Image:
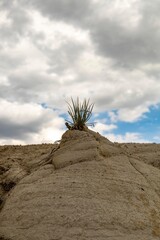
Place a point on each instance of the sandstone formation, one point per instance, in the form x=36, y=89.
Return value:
x=85, y=188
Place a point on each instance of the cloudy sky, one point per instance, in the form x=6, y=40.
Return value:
x=108, y=51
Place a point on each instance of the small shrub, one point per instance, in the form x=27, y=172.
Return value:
x=80, y=114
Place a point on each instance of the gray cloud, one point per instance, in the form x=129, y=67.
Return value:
x=73, y=11
x=19, y=22
x=8, y=61
x=61, y=59
x=128, y=47
x=11, y=130
x=129, y=50
x=29, y=88
x=27, y=121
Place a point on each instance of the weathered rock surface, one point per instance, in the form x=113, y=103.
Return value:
x=85, y=188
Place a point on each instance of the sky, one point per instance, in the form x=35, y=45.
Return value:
x=102, y=50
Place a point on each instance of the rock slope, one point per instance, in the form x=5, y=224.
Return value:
x=86, y=188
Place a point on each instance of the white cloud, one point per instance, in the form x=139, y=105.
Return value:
x=4, y=20
x=20, y=113
x=156, y=138
x=54, y=33
x=28, y=123
x=127, y=137
x=113, y=116
x=132, y=115
x=120, y=10
x=103, y=128
x=47, y=135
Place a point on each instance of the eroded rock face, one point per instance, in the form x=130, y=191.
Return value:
x=78, y=146
x=89, y=189
x=16, y=162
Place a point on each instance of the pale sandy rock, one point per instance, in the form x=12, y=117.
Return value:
x=92, y=190
x=16, y=162
x=78, y=146
x=148, y=153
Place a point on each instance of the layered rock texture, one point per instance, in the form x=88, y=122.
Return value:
x=84, y=188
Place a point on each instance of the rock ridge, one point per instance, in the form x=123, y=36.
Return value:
x=85, y=188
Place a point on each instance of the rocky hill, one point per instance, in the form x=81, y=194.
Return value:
x=85, y=188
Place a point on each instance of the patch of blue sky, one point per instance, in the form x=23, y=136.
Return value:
x=65, y=116
x=45, y=106
x=148, y=126
x=102, y=117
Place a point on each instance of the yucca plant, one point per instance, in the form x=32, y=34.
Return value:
x=80, y=114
